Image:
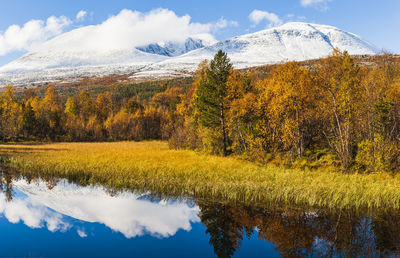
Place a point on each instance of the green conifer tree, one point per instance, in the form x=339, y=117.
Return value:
x=211, y=97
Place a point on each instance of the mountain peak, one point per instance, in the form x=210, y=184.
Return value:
x=174, y=48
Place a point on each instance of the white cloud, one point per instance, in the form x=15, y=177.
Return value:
x=127, y=29
x=80, y=16
x=32, y=214
x=81, y=233
x=223, y=23
x=132, y=28
x=257, y=16
x=320, y=4
x=31, y=34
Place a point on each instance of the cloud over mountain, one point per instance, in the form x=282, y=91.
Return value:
x=117, y=32
x=160, y=25
x=257, y=16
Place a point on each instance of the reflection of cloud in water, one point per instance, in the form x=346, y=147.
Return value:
x=81, y=233
x=127, y=213
x=32, y=214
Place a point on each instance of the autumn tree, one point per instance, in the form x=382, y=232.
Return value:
x=71, y=110
x=241, y=115
x=52, y=108
x=10, y=111
x=118, y=125
x=86, y=106
x=289, y=96
x=167, y=102
x=72, y=119
x=103, y=106
x=342, y=104
x=94, y=129
x=382, y=152
x=186, y=126
x=133, y=105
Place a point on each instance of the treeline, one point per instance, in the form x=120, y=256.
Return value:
x=335, y=112
x=82, y=117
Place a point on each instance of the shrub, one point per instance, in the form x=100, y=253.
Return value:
x=378, y=155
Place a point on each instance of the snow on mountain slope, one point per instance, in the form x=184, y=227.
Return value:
x=63, y=57
x=291, y=42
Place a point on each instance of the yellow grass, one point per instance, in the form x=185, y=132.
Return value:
x=152, y=166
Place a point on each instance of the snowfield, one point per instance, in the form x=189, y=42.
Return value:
x=63, y=58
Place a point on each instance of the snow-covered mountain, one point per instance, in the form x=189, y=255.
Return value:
x=175, y=48
x=290, y=42
x=63, y=58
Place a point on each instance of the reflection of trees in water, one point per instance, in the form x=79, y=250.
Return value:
x=386, y=227
x=6, y=178
x=8, y=175
x=226, y=232
x=296, y=233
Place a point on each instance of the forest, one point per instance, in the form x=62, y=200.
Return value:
x=334, y=112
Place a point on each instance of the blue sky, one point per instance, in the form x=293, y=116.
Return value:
x=376, y=21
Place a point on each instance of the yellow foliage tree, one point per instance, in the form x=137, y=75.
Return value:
x=287, y=104
x=339, y=78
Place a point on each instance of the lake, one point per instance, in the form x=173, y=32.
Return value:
x=56, y=218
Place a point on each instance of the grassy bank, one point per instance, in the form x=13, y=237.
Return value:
x=152, y=166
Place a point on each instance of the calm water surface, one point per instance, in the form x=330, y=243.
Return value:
x=60, y=219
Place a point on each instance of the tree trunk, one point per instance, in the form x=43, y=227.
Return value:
x=222, y=119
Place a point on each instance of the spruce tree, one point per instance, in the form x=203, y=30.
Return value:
x=211, y=96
